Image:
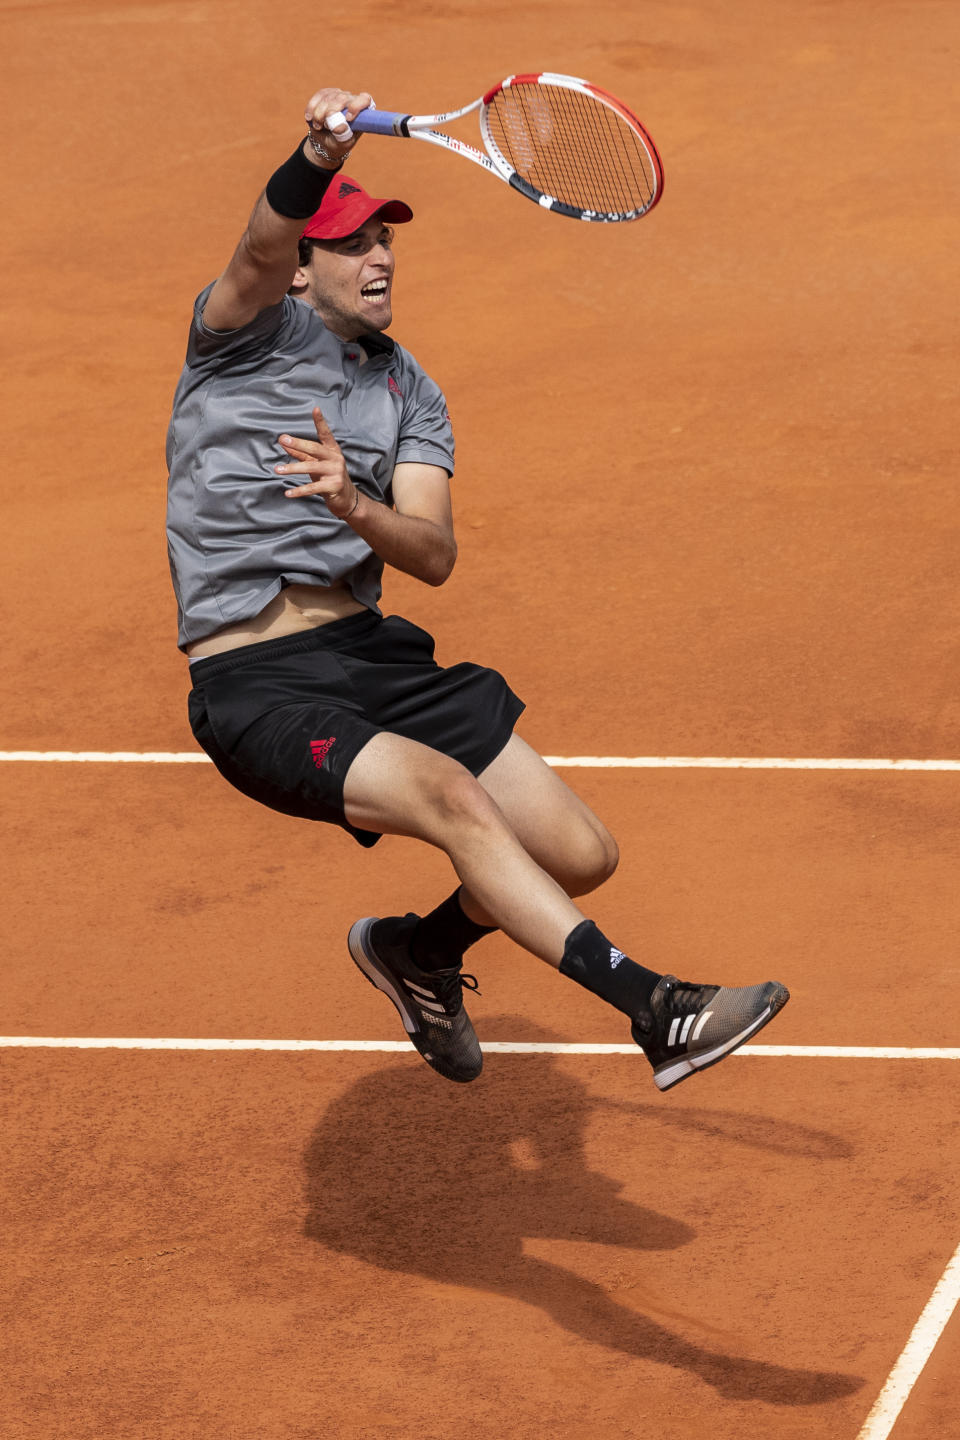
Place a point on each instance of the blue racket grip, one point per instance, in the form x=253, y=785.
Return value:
x=371, y=122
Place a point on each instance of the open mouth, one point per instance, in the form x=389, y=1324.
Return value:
x=375, y=290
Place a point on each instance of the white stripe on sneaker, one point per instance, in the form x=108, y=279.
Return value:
x=700, y=1024
x=672, y=1037
x=686, y=1028
x=419, y=990
x=431, y=1005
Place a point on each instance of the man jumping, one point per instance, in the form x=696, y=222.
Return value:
x=312, y=702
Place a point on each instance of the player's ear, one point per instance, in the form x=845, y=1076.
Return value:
x=299, y=281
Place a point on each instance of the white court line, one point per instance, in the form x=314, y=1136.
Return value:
x=596, y=762
x=917, y=1351
x=109, y=757
x=491, y=1047
x=691, y=762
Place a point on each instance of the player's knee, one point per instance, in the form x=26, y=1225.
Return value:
x=598, y=858
x=611, y=854
x=458, y=798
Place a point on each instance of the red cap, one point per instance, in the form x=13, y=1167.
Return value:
x=346, y=207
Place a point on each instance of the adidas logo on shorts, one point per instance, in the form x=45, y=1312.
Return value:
x=320, y=749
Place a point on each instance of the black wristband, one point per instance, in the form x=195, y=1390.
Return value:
x=296, y=189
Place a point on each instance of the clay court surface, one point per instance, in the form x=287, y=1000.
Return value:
x=705, y=502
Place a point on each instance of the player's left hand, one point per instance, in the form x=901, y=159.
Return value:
x=322, y=459
x=330, y=101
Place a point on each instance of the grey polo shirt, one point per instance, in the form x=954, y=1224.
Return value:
x=234, y=539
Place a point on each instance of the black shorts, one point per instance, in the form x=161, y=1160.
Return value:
x=284, y=719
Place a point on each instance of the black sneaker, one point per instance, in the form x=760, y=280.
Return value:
x=693, y=1026
x=430, y=1002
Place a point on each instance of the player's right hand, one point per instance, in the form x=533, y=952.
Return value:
x=321, y=461
x=326, y=103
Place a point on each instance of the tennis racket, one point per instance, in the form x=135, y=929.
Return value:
x=559, y=141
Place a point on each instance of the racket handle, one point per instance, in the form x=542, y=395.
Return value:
x=369, y=122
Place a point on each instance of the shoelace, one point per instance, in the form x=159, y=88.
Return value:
x=686, y=995
x=448, y=988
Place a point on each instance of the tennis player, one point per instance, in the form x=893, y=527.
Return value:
x=307, y=452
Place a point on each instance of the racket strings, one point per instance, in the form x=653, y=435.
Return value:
x=553, y=143
x=573, y=147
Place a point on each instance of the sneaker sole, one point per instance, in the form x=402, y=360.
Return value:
x=670, y=1074
x=382, y=981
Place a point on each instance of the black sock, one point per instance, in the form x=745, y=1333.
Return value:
x=441, y=938
x=598, y=966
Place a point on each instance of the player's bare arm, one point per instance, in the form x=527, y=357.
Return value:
x=265, y=260
x=416, y=537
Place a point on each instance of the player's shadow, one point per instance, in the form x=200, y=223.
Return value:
x=413, y=1174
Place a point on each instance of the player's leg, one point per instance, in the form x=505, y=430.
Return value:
x=555, y=828
x=400, y=787
x=551, y=822
x=674, y=1023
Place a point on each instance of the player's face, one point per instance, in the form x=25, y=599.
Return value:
x=349, y=282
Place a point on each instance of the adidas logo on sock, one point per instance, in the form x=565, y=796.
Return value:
x=615, y=957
